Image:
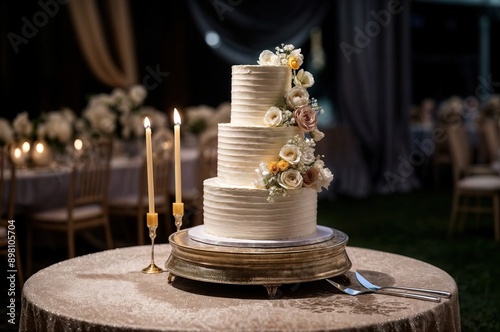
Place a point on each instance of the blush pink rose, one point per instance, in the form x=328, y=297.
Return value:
x=306, y=118
x=310, y=177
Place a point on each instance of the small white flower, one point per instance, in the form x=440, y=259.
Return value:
x=303, y=78
x=137, y=94
x=290, y=153
x=273, y=117
x=268, y=58
x=290, y=179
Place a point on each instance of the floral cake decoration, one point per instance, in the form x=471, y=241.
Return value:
x=296, y=166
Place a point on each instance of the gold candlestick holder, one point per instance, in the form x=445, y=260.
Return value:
x=152, y=219
x=178, y=212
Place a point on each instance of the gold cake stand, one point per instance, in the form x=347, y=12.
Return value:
x=269, y=266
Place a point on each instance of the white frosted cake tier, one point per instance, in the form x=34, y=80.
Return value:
x=254, y=89
x=245, y=213
x=241, y=149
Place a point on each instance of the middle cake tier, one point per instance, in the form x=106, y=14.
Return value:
x=241, y=149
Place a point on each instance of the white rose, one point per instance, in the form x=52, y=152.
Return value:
x=137, y=94
x=273, y=117
x=57, y=127
x=100, y=118
x=308, y=156
x=291, y=153
x=317, y=135
x=325, y=176
x=268, y=58
x=290, y=179
x=22, y=124
x=297, y=96
x=303, y=78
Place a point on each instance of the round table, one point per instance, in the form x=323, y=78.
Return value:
x=107, y=291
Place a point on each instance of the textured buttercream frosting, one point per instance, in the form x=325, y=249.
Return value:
x=254, y=89
x=245, y=213
x=232, y=206
x=242, y=148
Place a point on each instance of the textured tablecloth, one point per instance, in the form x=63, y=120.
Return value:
x=107, y=291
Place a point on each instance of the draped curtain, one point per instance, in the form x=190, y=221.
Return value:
x=374, y=88
x=92, y=37
x=248, y=27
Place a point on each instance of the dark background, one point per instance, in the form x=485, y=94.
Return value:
x=49, y=72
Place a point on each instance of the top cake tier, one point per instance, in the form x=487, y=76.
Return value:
x=254, y=89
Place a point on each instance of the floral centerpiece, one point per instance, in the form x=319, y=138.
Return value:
x=297, y=165
x=121, y=113
x=56, y=128
x=23, y=128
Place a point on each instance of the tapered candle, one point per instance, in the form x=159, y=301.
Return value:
x=177, y=156
x=149, y=166
x=178, y=206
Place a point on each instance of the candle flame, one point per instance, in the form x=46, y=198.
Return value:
x=39, y=147
x=26, y=147
x=78, y=144
x=147, y=124
x=177, y=117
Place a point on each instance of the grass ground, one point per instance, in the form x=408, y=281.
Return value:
x=415, y=225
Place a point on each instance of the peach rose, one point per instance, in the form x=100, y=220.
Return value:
x=273, y=167
x=293, y=62
x=283, y=165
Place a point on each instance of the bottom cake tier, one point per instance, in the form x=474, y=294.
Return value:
x=270, y=267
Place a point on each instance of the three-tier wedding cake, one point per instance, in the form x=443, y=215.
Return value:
x=268, y=175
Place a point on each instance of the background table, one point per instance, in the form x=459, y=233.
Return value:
x=34, y=185
x=106, y=291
